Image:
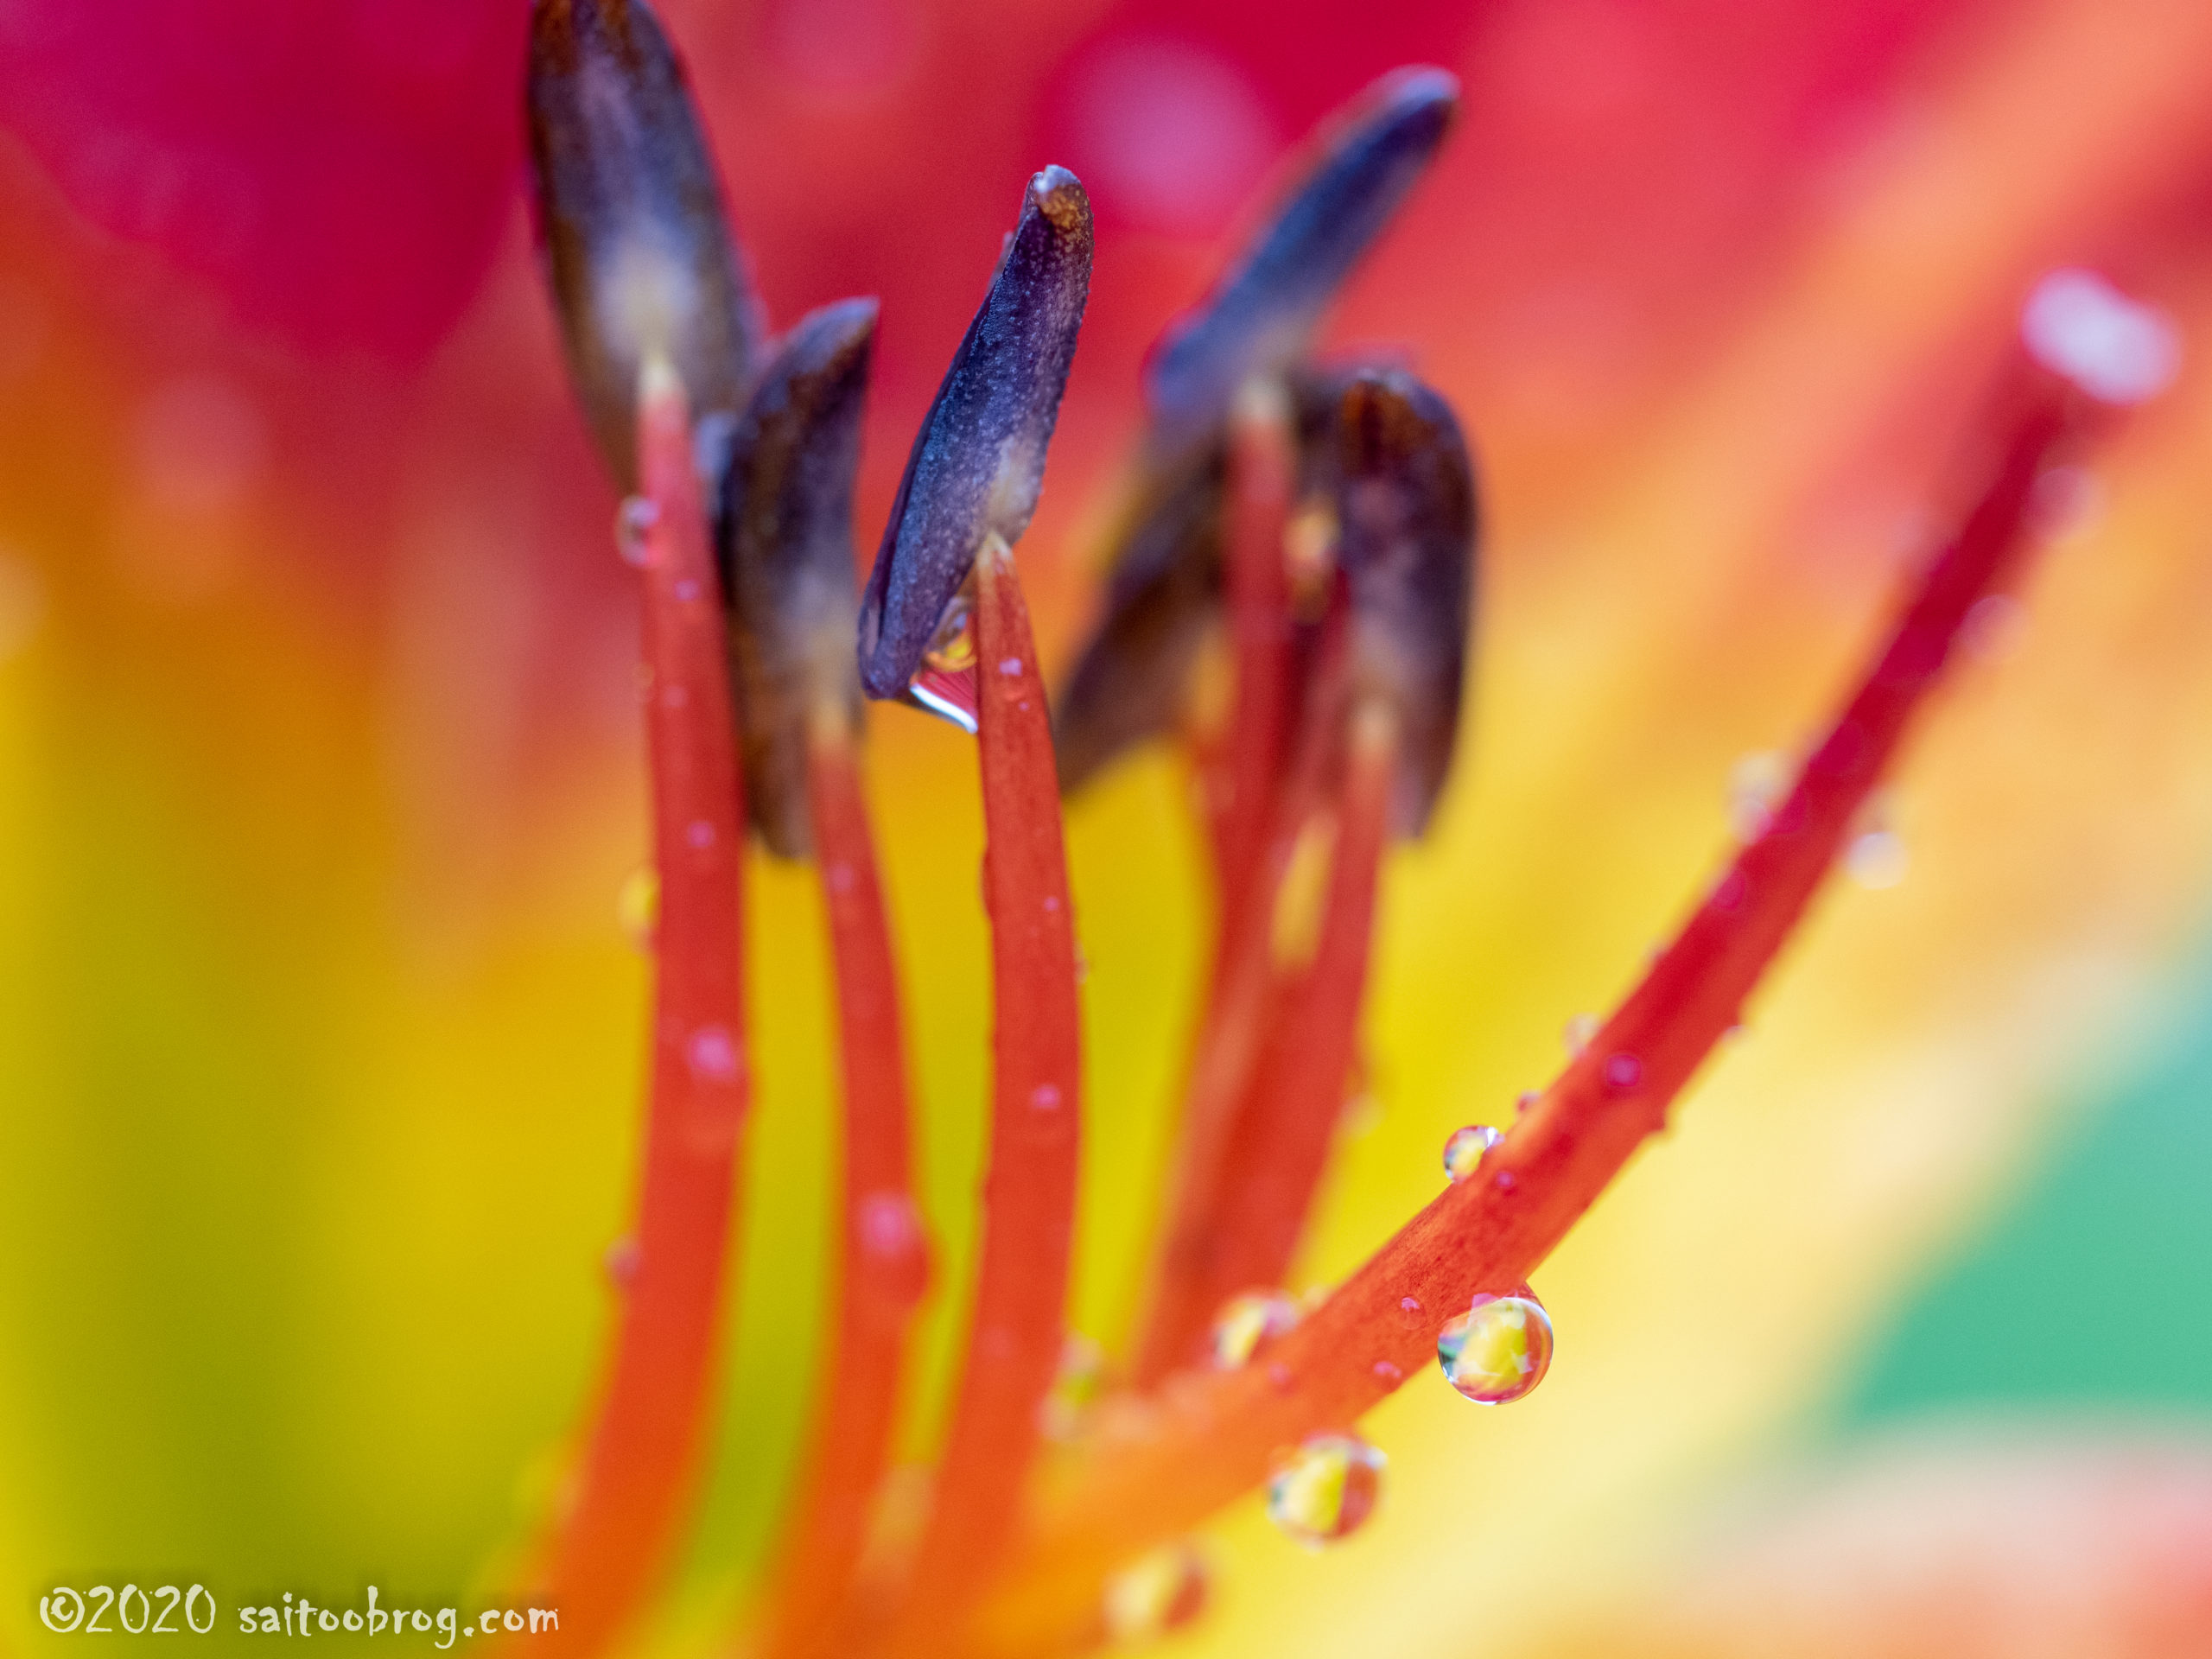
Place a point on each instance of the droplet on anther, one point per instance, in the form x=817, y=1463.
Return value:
x=1464, y=1149
x=1326, y=1489
x=1160, y=1593
x=1248, y=1323
x=1498, y=1349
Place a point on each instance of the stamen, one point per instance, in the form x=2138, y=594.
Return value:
x=644, y=1446
x=885, y=1265
x=1194, y=1447
x=1016, y=1327
x=1261, y=468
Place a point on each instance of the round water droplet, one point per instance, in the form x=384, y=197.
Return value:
x=639, y=906
x=1498, y=1349
x=700, y=833
x=952, y=648
x=1623, y=1071
x=1528, y=1097
x=891, y=1236
x=1160, y=1593
x=1876, y=858
x=1464, y=1150
x=1579, y=1029
x=1045, y=1098
x=1757, y=784
x=1247, y=1321
x=1326, y=1489
x=633, y=525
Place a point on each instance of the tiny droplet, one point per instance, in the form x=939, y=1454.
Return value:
x=1876, y=858
x=1247, y=1322
x=633, y=525
x=1464, y=1149
x=1498, y=1349
x=1326, y=1490
x=712, y=1052
x=1579, y=1029
x=1161, y=1591
x=1077, y=1385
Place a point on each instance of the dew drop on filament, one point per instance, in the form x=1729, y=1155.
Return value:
x=1464, y=1150
x=1498, y=1349
x=634, y=521
x=1247, y=1322
x=1326, y=1490
x=1158, y=1594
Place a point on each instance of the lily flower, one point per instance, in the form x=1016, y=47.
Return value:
x=1120, y=1253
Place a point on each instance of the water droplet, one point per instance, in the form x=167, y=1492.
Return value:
x=1410, y=1308
x=1623, y=1071
x=639, y=906
x=1386, y=1372
x=633, y=525
x=1045, y=1098
x=1326, y=1489
x=1994, y=628
x=1498, y=1349
x=686, y=589
x=1160, y=1593
x=621, y=1262
x=1528, y=1099
x=1247, y=1322
x=713, y=1054
x=1076, y=1387
x=1756, y=785
x=1464, y=1149
x=1507, y=1180
x=1010, y=666
x=1876, y=858
x=2115, y=349
x=953, y=649
x=1579, y=1029
x=700, y=833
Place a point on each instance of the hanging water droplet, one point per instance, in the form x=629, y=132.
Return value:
x=1757, y=784
x=1160, y=1593
x=1464, y=1150
x=1247, y=1321
x=639, y=906
x=1076, y=1387
x=1326, y=1489
x=952, y=650
x=1579, y=1029
x=1498, y=1349
x=634, y=521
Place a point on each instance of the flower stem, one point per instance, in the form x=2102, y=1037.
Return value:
x=644, y=1449
x=884, y=1256
x=1016, y=1332
x=1161, y=1465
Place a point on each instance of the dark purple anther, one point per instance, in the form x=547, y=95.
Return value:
x=979, y=459
x=1260, y=318
x=636, y=244
x=786, y=555
x=1405, y=499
